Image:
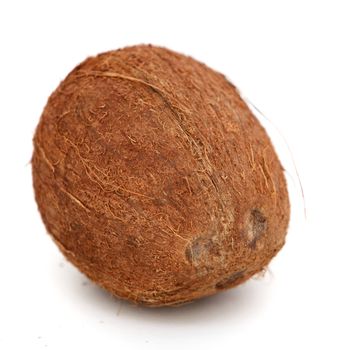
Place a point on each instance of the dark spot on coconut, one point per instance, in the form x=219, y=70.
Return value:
x=257, y=225
x=230, y=280
x=75, y=226
x=132, y=242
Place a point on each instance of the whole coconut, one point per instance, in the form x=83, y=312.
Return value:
x=155, y=179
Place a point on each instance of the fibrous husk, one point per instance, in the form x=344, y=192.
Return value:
x=155, y=179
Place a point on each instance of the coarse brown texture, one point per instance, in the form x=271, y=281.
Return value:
x=154, y=178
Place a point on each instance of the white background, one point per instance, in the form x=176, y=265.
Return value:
x=292, y=59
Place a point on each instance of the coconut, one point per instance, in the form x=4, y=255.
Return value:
x=155, y=179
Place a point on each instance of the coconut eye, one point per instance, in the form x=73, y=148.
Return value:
x=256, y=226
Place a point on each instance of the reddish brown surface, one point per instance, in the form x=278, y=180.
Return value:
x=155, y=179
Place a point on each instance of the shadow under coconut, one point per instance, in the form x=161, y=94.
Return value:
x=231, y=305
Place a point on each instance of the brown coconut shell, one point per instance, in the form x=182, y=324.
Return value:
x=155, y=179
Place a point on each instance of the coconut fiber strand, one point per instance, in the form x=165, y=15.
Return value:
x=155, y=179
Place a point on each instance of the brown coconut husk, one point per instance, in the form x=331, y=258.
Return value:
x=155, y=179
